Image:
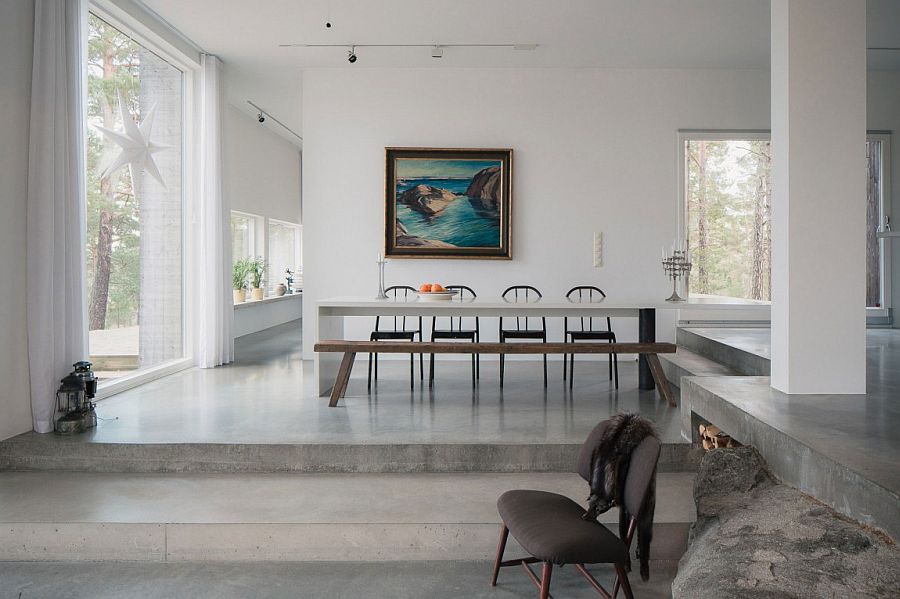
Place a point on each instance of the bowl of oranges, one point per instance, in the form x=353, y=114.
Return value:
x=434, y=292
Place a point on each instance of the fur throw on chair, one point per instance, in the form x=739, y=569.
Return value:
x=609, y=469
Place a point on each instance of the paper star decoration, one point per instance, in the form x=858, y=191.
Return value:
x=137, y=149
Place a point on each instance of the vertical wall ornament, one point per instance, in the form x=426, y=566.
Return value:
x=136, y=147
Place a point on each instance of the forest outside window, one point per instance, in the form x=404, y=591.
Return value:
x=134, y=241
x=727, y=199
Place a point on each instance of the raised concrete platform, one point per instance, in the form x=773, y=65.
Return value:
x=745, y=351
x=278, y=517
x=262, y=414
x=841, y=449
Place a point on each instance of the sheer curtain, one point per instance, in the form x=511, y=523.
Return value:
x=56, y=322
x=215, y=308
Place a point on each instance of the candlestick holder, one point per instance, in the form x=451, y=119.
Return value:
x=381, y=294
x=676, y=266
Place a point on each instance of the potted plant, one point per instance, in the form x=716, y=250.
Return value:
x=257, y=271
x=239, y=271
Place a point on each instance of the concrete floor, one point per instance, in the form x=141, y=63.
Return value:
x=268, y=396
x=399, y=580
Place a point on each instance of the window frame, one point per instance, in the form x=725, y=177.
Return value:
x=257, y=233
x=298, y=249
x=684, y=135
x=142, y=33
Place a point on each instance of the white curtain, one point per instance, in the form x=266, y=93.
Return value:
x=215, y=305
x=56, y=323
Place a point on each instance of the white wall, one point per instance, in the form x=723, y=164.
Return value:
x=883, y=106
x=262, y=170
x=16, y=28
x=594, y=150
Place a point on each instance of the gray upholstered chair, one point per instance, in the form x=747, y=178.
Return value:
x=550, y=526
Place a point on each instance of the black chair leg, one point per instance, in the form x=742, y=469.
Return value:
x=473, y=371
x=431, y=371
x=376, y=367
x=412, y=370
x=502, y=364
x=571, y=370
x=565, y=365
x=545, y=371
x=501, y=547
x=616, y=368
x=370, y=373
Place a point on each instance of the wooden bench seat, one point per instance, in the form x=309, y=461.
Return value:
x=351, y=348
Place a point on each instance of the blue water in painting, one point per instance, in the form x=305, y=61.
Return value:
x=459, y=223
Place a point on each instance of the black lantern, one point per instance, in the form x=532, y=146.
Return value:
x=73, y=401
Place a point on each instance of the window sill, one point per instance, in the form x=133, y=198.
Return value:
x=269, y=300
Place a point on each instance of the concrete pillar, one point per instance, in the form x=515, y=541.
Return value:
x=819, y=188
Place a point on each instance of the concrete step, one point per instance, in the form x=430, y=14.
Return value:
x=286, y=517
x=53, y=453
x=743, y=354
x=688, y=363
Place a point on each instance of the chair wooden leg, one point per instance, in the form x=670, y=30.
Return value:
x=546, y=571
x=622, y=576
x=501, y=547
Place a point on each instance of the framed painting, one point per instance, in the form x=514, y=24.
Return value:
x=448, y=203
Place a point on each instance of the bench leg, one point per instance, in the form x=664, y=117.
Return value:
x=659, y=377
x=343, y=378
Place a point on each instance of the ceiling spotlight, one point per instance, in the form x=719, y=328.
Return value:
x=351, y=55
x=327, y=24
x=437, y=52
x=261, y=118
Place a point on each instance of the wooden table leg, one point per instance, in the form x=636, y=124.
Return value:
x=343, y=378
x=659, y=377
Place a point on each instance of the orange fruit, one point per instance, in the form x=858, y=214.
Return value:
x=425, y=288
x=436, y=287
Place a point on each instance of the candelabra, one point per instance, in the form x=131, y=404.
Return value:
x=676, y=266
x=381, y=262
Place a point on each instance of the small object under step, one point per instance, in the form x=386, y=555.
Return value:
x=712, y=437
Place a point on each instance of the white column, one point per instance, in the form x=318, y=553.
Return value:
x=819, y=187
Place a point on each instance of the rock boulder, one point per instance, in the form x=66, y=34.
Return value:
x=484, y=190
x=426, y=199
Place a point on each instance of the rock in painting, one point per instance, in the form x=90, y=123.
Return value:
x=484, y=190
x=404, y=239
x=426, y=199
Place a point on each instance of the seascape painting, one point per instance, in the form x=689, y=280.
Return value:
x=447, y=203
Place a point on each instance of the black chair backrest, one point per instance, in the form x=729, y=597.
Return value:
x=641, y=467
x=521, y=294
x=464, y=294
x=587, y=294
x=397, y=292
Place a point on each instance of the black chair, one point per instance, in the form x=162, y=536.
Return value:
x=551, y=529
x=398, y=332
x=582, y=294
x=456, y=331
x=522, y=294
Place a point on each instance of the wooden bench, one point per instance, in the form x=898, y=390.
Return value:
x=351, y=348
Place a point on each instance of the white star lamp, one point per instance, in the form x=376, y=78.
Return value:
x=136, y=148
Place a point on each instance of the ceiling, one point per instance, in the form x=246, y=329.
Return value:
x=569, y=33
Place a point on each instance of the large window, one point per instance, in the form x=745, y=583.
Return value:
x=284, y=251
x=245, y=232
x=135, y=132
x=727, y=198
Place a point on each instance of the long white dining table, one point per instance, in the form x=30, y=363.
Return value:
x=330, y=315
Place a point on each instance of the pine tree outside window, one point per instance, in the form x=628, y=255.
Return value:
x=726, y=196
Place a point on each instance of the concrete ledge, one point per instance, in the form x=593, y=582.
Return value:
x=741, y=360
x=796, y=463
x=31, y=452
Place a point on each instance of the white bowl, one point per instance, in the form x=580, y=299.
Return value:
x=436, y=296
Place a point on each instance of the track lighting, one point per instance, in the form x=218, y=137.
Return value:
x=261, y=118
x=351, y=55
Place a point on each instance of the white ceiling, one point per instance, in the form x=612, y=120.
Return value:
x=569, y=33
